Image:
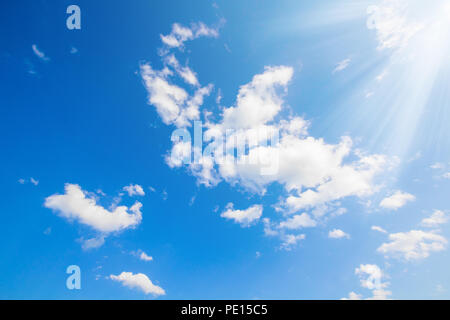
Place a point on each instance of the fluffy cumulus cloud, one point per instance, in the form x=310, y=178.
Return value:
x=173, y=104
x=435, y=220
x=338, y=234
x=396, y=200
x=245, y=217
x=252, y=143
x=134, y=190
x=412, y=245
x=138, y=281
x=371, y=278
x=76, y=204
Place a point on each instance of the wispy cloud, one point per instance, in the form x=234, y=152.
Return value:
x=40, y=54
x=342, y=65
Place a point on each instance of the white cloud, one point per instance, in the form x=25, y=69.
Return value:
x=257, y=102
x=134, y=190
x=31, y=180
x=142, y=255
x=392, y=23
x=76, y=204
x=397, y=200
x=41, y=55
x=93, y=243
x=290, y=240
x=173, y=103
x=186, y=73
x=437, y=165
x=338, y=234
x=145, y=257
x=371, y=278
x=413, y=245
x=244, y=217
x=312, y=172
x=342, y=65
x=379, y=229
x=437, y=218
x=353, y=296
x=181, y=34
x=298, y=222
x=138, y=281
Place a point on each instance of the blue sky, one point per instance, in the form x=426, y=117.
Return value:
x=357, y=207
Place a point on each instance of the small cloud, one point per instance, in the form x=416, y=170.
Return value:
x=382, y=75
x=93, y=243
x=31, y=180
x=258, y=254
x=40, y=54
x=138, y=281
x=73, y=50
x=244, y=217
x=338, y=234
x=142, y=255
x=371, y=278
x=290, y=240
x=145, y=257
x=191, y=202
x=134, y=190
x=369, y=94
x=342, y=65
x=397, y=200
x=437, y=165
x=437, y=218
x=413, y=245
x=298, y=222
x=379, y=229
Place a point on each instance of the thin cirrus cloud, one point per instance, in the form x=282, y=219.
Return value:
x=342, y=65
x=379, y=229
x=138, y=281
x=40, y=54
